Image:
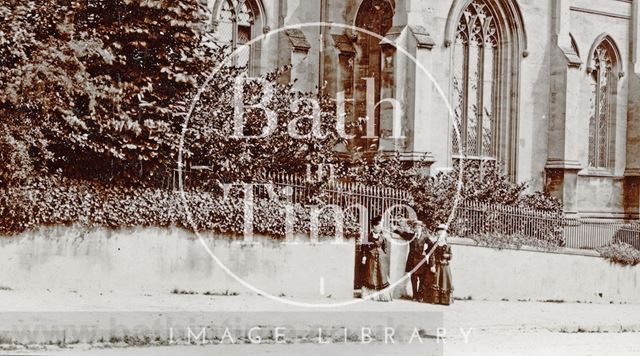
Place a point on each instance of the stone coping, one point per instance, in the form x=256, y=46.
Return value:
x=561, y=251
x=48, y=231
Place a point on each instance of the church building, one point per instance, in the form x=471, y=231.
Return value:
x=549, y=89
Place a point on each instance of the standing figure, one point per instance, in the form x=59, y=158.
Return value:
x=376, y=261
x=441, y=286
x=429, y=275
x=415, y=259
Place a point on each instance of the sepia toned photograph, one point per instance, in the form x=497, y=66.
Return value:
x=320, y=177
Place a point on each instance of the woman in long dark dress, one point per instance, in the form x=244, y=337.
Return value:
x=376, y=260
x=440, y=283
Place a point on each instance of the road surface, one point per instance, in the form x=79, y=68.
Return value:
x=489, y=344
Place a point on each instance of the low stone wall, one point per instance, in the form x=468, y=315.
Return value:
x=527, y=274
x=150, y=260
x=156, y=261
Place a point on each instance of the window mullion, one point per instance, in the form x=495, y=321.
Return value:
x=495, y=115
x=465, y=99
x=598, y=117
x=608, y=117
x=480, y=100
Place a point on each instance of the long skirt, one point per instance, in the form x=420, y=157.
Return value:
x=376, y=277
x=439, y=286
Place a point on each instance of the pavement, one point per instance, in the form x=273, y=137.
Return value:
x=481, y=315
x=524, y=344
x=92, y=323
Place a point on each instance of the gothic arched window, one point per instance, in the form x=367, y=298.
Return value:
x=475, y=82
x=236, y=26
x=603, y=84
x=375, y=16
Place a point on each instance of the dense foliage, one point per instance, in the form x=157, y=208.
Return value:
x=94, y=100
x=99, y=91
x=516, y=241
x=91, y=89
x=434, y=196
x=95, y=95
x=621, y=253
x=289, y=143
x=44, y=202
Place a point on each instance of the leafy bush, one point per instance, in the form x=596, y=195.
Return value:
x=98, y=91
x=621, y=253
x=628, y=234
x=517, y=241
x=51, y=202
x=434, y=197
x=211, y=139
x=91, y=89
x=94, y=99
x=17, y=164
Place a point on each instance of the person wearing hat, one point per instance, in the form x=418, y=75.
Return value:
x=376, y=263
x=439, y=275
x=413, y=231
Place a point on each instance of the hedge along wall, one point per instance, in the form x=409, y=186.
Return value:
x=158, y=260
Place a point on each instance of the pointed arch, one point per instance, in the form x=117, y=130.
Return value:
x=606, y=41
x=509, y=11
x=236, y=23
x=487, y=41
x=604, y=66
x=375, y=16
x=365, y=6
x=256, y=5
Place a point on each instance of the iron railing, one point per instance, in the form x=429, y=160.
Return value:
x=350, y=197
x=475, y=218
x=471, y=217
x=593, y=233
